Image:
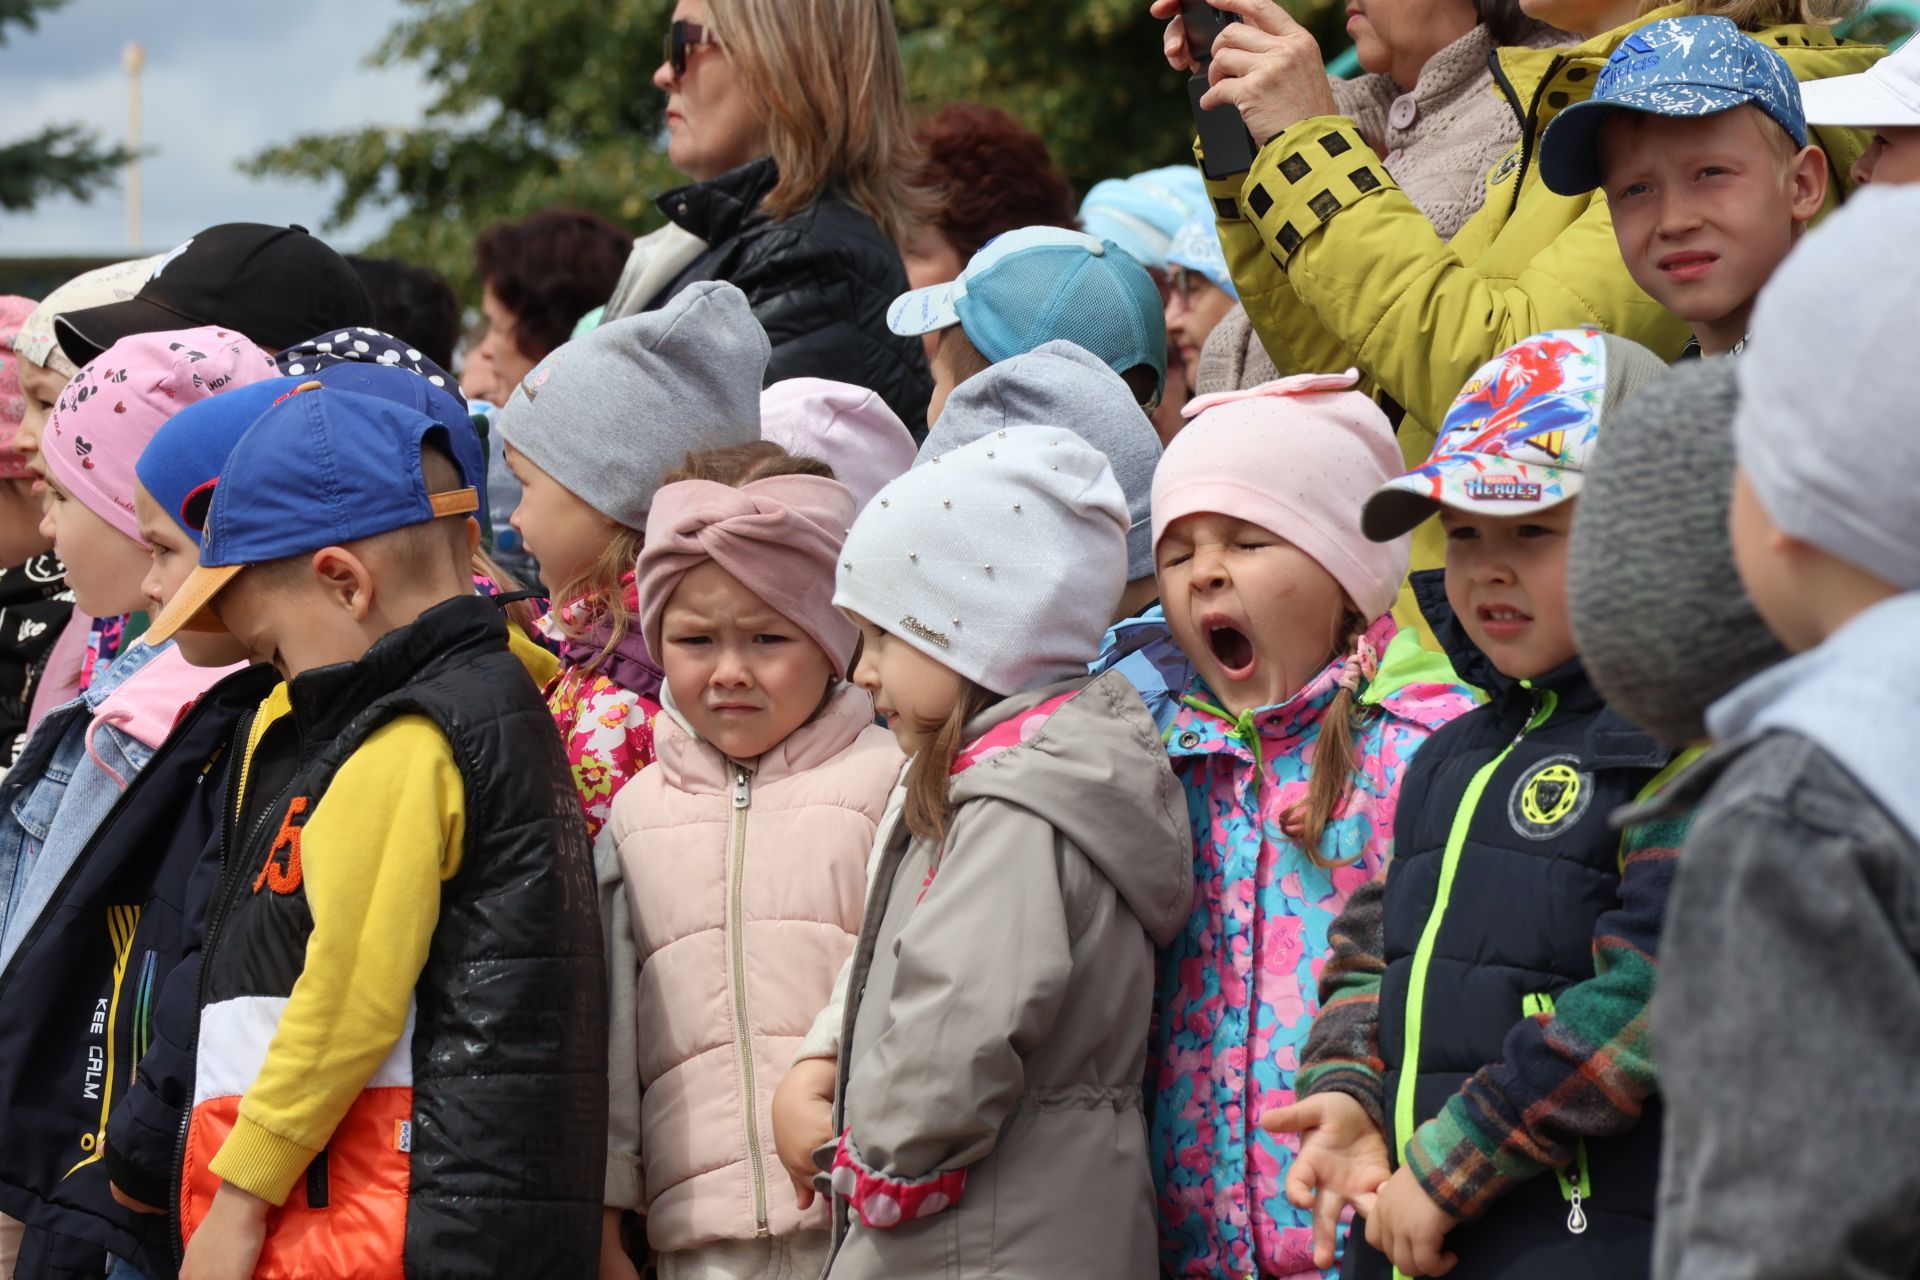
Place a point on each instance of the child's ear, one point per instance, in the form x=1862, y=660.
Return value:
x=345, y=579
x=1808, y=173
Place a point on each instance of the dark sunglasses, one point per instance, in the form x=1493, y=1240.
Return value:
x=682, y=39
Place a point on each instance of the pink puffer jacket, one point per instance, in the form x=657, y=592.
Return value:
x=747, y=885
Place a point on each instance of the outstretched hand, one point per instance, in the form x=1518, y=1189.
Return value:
x=1266, y=65
x=1342, y=1161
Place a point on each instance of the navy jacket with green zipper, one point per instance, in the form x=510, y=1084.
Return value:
x=1504, y=865
x=86, y=996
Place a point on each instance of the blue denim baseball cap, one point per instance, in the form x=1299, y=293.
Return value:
x=318, y=468
x=1673, y=67
x=1046, y=284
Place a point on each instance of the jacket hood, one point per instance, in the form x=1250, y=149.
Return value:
x=1823, y=694
x=693, y=764
x=1085, y=756
x=151, y=700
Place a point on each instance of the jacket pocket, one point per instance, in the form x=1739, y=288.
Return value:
x=1576, y=1183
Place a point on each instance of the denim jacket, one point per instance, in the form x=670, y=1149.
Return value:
x=75, y=764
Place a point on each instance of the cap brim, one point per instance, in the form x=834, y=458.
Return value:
x=83, y=335
x=926, y=310
x=188, y=611
x=1484, y=484
x=1855, y=102
x=1570, y=148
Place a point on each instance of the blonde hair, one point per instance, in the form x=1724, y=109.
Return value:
x=829, y=75
x=1758, y=15
x=927, y=806
x=601, y=588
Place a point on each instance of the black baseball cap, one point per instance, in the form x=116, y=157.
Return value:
x=276, y=286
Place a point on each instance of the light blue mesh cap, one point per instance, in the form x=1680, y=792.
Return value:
x=1046, y=284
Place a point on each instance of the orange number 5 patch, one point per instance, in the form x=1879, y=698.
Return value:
x=275, y=874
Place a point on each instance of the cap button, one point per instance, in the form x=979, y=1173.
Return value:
x=1098, y=248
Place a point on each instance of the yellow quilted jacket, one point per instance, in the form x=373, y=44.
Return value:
x=1337, y=268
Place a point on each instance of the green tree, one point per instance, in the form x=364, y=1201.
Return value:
x=543, y=102
x=61, y=158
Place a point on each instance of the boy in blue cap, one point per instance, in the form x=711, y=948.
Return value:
x=1034, y=286
x=404, y=937
x=1696, y=134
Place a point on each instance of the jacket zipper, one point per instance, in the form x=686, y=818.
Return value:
x=216, y=912
x=1579, y=1189
x=1545, y=702
x=743, y=1042
x=1527, y=121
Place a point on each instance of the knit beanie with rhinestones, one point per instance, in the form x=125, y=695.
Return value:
x=1004, y=561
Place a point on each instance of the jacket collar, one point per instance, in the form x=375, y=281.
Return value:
x=1203, y=727
x=327, y=699
x=692, y=764
x=720, y=208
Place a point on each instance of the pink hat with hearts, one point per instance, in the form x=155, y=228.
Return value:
x=107, y=414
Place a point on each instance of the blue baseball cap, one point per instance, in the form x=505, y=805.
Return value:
x=180, y=464
x=416, y=390
x=320, y=467
x=1046, y=284
x=1673, y=67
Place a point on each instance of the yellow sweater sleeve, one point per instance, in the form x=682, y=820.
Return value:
x=373, y=855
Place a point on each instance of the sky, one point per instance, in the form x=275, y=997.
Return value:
x=223, y=79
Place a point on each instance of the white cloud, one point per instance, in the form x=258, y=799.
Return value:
x=215, y=91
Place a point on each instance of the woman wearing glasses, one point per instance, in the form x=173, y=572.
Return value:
x=791, y=118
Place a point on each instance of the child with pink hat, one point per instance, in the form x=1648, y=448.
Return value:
x=746, y=837
x=80, y=757
x=1291, y=738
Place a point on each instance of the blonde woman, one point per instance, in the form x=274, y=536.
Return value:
x=791, y=118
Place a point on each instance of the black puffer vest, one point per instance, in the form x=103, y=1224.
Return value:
x=1503, y=863
x=501, y=1138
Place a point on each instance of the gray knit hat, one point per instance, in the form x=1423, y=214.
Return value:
x=1828, y=387
x=1003, y=561
x=1663, y=623
x=1058, y=384
x=612, y=412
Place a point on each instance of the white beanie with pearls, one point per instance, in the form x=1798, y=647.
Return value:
x=1003, y=561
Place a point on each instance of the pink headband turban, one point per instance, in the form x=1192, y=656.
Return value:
x=780, y=537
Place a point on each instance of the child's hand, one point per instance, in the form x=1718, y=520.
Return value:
x=126, y=1201
x=227, y=1245
x=1406, y=1225
x=614, y=1262
x=1342, y=1158
x=803, y=1119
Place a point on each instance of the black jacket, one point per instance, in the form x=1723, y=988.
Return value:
x=820, y=282
x=86, y=997
x=495, y=1123
x=1505, y=897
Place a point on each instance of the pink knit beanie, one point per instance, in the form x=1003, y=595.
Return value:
x=106, y=415
x=780, y=537
x=1299, y=457
x=849, y=428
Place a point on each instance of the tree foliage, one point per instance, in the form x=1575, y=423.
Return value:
x=61, y=159
x=543, y=102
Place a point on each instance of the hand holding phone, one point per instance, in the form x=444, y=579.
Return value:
x=1226, y=145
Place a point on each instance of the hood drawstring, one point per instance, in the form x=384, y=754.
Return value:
x=119, y=718
x=1242, y=728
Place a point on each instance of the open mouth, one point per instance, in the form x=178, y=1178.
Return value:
x=1501, y=621
x=1231, y=649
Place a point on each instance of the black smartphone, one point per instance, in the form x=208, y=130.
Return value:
x=1227, y=148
